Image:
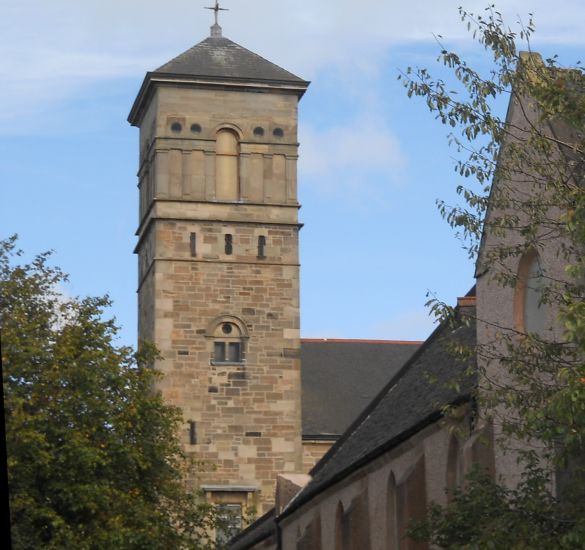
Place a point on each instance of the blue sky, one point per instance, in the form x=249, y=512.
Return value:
x=372, y=161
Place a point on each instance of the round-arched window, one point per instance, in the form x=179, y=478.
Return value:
x=229, y=336
x=227, y=347
x=530, y=311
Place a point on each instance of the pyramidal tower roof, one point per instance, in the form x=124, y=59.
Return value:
x=219, y=57
x=218, y=61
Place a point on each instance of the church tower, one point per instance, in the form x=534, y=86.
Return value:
x=218, y=284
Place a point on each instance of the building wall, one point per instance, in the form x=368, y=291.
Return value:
x=371, y=507
x=313, y=451
x=180, y=165
x=242, y=420
x=498, y=304
x=364, y=492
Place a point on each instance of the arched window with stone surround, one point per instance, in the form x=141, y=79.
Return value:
x=227, y=158
x=229, y=337
x=529, y=310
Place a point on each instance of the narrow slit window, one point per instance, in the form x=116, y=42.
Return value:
x=261, y=246
x=192, y=432
x=229, y=244
x=193, y=244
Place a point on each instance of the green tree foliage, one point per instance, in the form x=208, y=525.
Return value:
x=93, y=458
x=526, y=192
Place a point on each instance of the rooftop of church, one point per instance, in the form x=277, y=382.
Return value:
x=217, y=61
x=340, y=377
x=220, y=57
x=411, y=400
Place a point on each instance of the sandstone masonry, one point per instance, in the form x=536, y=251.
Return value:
x=218, y=281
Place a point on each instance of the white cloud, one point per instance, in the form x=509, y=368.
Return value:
x=47, y=48
x=342, y=157
x=63, y=75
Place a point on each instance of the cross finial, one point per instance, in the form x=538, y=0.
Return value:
x=215, y=28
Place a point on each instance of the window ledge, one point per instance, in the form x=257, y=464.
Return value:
x=228, y=363
x=230, y=488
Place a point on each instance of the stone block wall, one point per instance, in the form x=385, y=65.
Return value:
x=242, y=419
x=178, y=145
x=313, y=451
x=246, y=415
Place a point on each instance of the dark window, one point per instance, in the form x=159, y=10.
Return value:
x=227, y=352
x=229, y=522
x=261, y=246
x=228, y=344
x=229, y=247
x=196, y=128
x=219, y=352
x=278, y=132
x=259, y=131
x=176, y=127
x=192, y=432
x=193, y=244
x=233, y=352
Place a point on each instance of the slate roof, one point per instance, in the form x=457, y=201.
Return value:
x=339, y=378
x=409, y=402
x=219, y=57
x=217, y=61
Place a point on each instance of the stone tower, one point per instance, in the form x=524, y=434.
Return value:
x=218, y=283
